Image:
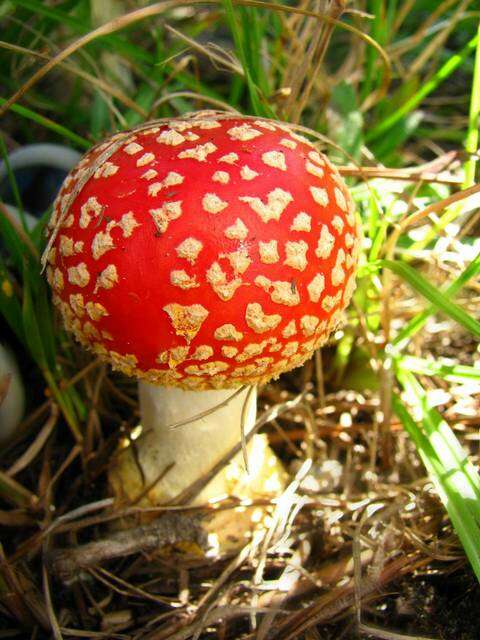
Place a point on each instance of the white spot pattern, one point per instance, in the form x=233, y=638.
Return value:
x=277, y=201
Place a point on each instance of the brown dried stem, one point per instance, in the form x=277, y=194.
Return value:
x=169, y=529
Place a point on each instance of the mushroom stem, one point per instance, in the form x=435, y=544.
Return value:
x=171, y=458
x=196, y=445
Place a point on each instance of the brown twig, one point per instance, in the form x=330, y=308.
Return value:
x=337, y=600
x=169, y=529
x=408, y=175
x=55, y=627
x=34, y=449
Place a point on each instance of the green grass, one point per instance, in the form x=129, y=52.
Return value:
x=441, y=75
x=454, y=478
x=395, y=129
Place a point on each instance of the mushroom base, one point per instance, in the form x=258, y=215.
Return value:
x=164, y=462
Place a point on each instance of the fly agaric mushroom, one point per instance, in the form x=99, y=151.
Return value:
x=201, y=255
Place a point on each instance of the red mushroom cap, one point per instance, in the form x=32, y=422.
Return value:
x=203, y=253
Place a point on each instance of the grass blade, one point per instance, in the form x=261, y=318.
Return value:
x=449, y=486
x=471, y=146
x=9, y=305
x=471, y=142
x=113, y=41
x=440, y=76
x=48, y=124
x=260, y=108
x=433, y=295
x=415, y=324
x=33, y=334
x=450, y=372
x=446, y=445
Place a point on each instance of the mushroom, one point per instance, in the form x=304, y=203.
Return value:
x=202, y=256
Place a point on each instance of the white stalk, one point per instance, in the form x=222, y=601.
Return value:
x=195, y=447
x=162, y=462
